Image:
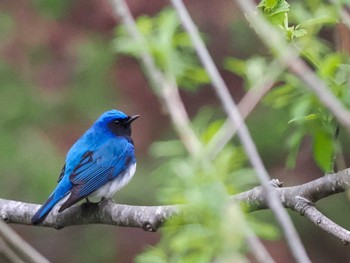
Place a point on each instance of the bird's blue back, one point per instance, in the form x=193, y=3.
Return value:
x=96, y=158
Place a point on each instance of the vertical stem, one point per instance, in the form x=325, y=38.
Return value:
x=165, y=88
x=233, y=114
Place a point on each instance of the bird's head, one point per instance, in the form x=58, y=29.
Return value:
x=117, y=122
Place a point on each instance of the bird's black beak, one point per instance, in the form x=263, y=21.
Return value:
x=132, y=118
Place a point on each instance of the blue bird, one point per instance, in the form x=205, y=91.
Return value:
x=101, y=162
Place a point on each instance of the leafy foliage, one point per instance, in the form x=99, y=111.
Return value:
x=33, y=120
x=307, y=115
x=205, y=185
x=170, y=47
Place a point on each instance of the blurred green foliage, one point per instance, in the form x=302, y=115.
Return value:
x=204, y=184
x=32, y=120
x=207, y=185
x=55, y=9
x=307, y=116
x=38, y=124
x=24, y=147
x=29, y=117
x=170, y=47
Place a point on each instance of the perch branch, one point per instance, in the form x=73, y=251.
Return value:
x=300, y=198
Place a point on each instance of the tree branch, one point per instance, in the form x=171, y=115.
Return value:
x=300, y=198
x=106, y=212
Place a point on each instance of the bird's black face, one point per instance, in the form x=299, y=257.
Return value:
x=122, y=126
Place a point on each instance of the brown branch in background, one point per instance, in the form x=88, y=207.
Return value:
x=343, y=11
x=17, y=249
x=300, y=198
x=8, y=253
x=165, y=88
x=247, y=104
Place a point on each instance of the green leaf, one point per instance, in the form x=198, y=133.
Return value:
x=274, y=10
x=127, y=46
x=323, y=150
x=301, y=107
x=167, y=148
x=169, y=45
x=293, y=143
x=309, y=117
x=235, y=65
x=330, y=65
x=319, y=21
x=280, y=96
x=272, y=7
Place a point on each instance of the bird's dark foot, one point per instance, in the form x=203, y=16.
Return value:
x=276, y=183
x=105, y=200
x=89, y=206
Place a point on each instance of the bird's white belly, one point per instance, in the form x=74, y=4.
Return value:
x=110, y=188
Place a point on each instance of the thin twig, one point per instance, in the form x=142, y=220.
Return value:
x=19, y=246
x=231, y=109
x=326, y=224
x=165, y=88
x=245, y=107
x=8, y=253
x=259, y=251
x=342, y=12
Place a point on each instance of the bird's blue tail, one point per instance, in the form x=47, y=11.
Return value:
x=44, y=210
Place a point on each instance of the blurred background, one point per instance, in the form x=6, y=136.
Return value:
x=59, y=72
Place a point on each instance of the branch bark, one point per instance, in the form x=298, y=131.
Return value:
x=300, y=198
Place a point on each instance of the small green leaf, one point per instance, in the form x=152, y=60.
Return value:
x=293, y=143
x=280, y=96
x=319, y=21
x=299, y=32
x=167, y=148
x=323, y=150
x=330, y=65
x=235, y=65
x=309, y=117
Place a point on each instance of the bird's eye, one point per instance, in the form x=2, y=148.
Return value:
x=116, y=122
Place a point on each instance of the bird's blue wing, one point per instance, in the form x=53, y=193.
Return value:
x=93, y=172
